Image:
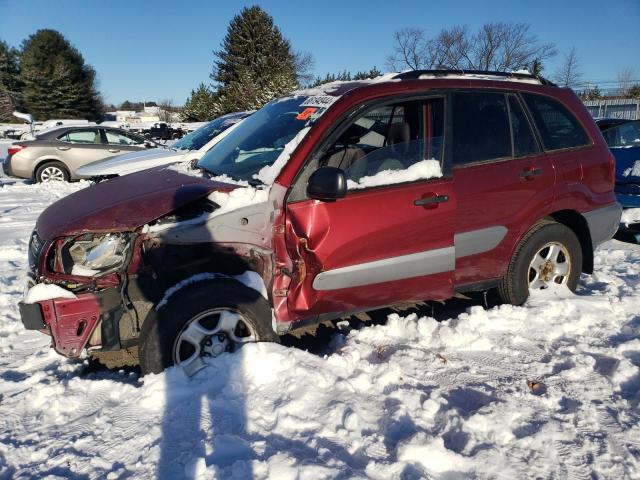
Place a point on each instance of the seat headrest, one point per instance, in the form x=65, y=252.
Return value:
x=398, y=133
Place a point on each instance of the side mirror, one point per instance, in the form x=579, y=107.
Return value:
x=327, y=184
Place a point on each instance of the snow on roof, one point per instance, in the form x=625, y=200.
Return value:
x=340, y=87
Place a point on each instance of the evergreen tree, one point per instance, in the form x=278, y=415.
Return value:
x=255, y=63
x=201, y=105
x=9, y=81
x=536, y=67
x=346, y=76
x=57, y=82
x=634, y=92
x=592, y=94
x=373, y=73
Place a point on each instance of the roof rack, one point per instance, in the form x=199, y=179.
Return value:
x=480, y=74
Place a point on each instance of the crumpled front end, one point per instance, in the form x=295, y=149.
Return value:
x=70, y=322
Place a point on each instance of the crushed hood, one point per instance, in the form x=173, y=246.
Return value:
x=124, y=203
x=130, y=162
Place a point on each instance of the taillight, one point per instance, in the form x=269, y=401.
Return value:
x=13, y=149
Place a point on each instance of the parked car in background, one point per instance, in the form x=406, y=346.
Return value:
x=623, y=139
x=412, y=187
x=608, y=122
x=56, y=154
x=188, y=149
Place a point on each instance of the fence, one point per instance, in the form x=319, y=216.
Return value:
x=628, y=108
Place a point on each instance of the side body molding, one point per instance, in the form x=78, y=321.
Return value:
x=387, y=269
x=412, y=265
x=478, y=241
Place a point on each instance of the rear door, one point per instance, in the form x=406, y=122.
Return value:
x=503, y=181
x=81, y=146
x=391, y=238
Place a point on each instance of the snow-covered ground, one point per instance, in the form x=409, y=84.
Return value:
x=549, y=390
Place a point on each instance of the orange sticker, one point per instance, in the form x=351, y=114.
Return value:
x=306, y=113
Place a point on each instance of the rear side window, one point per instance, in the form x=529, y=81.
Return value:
x=524, y=143
x=481, y=128
x=557, y=126
x=625, y=135
x=121, y=138
x=81, y=136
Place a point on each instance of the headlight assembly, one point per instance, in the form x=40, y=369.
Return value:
x=91, y=255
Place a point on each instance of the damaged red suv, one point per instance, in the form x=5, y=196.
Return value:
x=325, y=203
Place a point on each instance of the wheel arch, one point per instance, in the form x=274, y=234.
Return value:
x=41, y=161
x=578, y=224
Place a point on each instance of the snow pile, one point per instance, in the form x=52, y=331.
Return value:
x=548, y=390
x=268, y=174
x=43, y=291
x=630, y=215
x=238, y=198
x=421, y=170
x=633, y=171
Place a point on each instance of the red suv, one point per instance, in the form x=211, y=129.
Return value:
x=325, y=203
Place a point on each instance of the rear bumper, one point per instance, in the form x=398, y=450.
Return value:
x=603, y=223
x=70, y=322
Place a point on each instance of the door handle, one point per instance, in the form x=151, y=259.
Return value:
x=430, y=200
x=114, y=150
x=64, y=149
x=531, y=172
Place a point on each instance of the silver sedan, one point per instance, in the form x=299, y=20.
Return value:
x=56, y=154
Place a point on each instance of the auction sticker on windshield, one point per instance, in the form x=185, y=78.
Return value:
x=320, y=101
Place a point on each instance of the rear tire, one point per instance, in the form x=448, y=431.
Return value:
x=167, y=336
x=548, y=253
x=52, y=172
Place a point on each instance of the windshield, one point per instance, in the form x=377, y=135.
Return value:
x=200, y=137
x=260, y=139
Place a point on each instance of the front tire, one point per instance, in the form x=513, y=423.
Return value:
x=52, y=172
x=202, y=320
x=548, y=254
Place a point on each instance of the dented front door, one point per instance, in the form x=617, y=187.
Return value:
x=373, y=248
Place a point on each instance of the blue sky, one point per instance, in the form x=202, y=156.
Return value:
x=162, y=49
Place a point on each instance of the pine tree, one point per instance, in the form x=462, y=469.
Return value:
x=346, y=76
x=373, y=73
x=201, y=106
x=57, y=82
x=9, y=82
x=536, y=67
x=255, y=63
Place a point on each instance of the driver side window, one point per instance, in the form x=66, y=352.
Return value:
x=391, y=144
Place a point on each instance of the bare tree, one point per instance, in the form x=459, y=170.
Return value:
x=410, y=51
x=166, y=109
x=568, y=73
x=625, y=81
x=497, y=46
x=304, y=63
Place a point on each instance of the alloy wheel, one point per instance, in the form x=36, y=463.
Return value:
x=550, y=265
x=51, y=174
x=210, y=334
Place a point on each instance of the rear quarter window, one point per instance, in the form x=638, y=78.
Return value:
x=558, y=127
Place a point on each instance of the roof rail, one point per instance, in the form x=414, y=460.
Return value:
x=418, y=74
